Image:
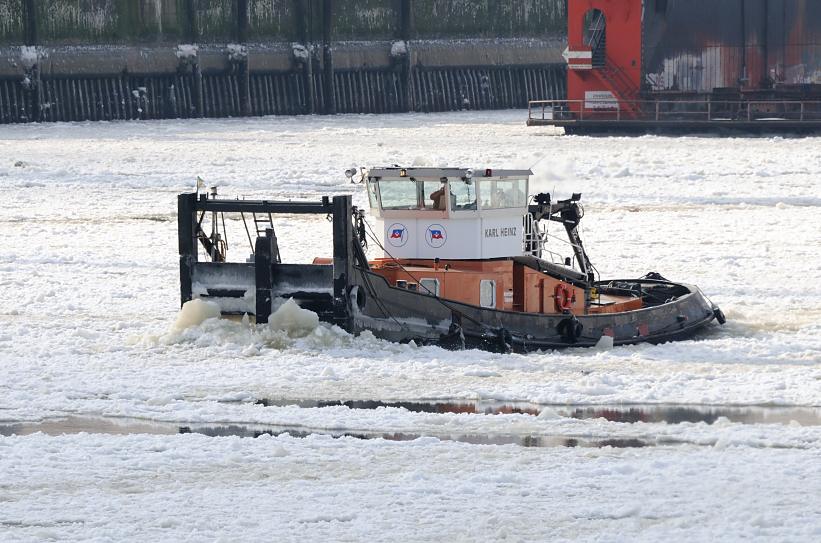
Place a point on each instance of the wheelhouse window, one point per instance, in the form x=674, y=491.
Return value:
x=373, y=198
x=434, y=194
x=462, y=194
x=503, y=193
x=400, y=193
x=410, y=193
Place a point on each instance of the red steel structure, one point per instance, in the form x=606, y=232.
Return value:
x=689, y=65
x=604, y=50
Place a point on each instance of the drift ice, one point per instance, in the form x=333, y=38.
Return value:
x=464, y=263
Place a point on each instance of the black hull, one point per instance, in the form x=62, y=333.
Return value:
x=399, y=315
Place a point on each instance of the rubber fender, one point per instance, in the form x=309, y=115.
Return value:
x=719, y=315
x=505, y=341
x=358, y=295
x=570, y=329
x=454, y=340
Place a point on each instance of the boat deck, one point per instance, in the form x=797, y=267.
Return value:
x=608, y=303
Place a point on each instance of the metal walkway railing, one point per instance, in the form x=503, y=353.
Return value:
x=660, y=111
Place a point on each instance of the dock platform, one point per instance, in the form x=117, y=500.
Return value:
x=677, y=116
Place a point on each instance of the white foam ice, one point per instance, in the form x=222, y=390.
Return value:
x=605, y=343
x=195, y=312
x=294, y=320
x=89, y=288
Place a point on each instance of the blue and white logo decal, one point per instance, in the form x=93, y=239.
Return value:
x=397, y=234
x=436, y=236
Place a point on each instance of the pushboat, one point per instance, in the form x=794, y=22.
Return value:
x=464, y=263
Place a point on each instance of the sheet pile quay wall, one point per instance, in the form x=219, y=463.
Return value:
x=70, y=60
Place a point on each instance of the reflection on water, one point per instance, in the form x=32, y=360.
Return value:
x=88, y=425
x=807, y=416
x=475, y=439
x=670, y=414
x=99, y=425
x=485, y=408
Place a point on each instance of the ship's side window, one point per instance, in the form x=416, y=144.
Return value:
x=429, y=286
x=504, y=193
x=372, y=197
x=432, y=188
x=487, y=293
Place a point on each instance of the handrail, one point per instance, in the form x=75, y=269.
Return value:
x=681, y=110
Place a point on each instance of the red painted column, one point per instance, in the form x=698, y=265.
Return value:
x=618, y=77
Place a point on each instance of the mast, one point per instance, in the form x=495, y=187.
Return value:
x=569, y=213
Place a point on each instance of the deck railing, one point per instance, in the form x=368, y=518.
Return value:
x=675, y=110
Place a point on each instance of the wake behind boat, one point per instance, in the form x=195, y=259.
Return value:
x=465, y=262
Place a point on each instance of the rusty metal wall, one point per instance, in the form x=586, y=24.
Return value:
x=701, y=45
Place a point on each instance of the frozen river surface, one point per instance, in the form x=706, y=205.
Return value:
x=140, y=424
